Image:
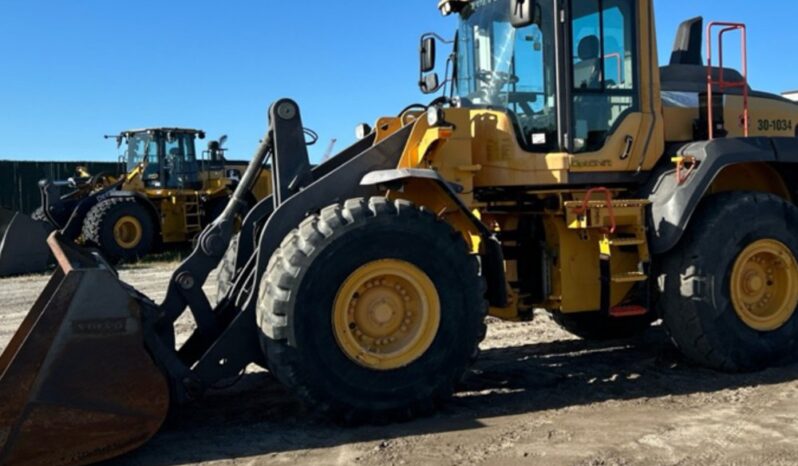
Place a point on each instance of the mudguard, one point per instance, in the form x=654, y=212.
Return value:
x=492, y=257
x=673, y=204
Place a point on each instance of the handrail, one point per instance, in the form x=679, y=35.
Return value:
x=721, y=82
x=585, y=203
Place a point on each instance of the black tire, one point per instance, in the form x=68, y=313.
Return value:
x=599, y=327
x=300, y=286
x=227, y=269
x=39, y=216
x=695, y=283
x=98, y=228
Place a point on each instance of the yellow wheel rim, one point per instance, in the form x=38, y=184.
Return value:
x=128, y=232
x=386, y=314
x=764, y=285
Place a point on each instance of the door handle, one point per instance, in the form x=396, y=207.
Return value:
x=627, y=150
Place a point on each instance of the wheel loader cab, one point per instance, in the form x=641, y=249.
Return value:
x=170, y=155
x=581, y=93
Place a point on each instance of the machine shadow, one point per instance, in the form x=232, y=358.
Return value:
x=258, y=417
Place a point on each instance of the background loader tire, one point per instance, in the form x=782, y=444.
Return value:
x=301, y=287
x=129, y=244
x=598, y=327
x=227, y=269
x=696, y=283
x=39, y=215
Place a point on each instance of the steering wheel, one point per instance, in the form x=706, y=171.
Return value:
x=494, y=77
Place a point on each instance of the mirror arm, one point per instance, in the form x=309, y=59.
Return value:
x=432, y=34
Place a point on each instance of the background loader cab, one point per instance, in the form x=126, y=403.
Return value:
x=169, y=156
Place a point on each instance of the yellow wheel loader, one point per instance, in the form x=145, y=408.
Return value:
x=166, y=196
x=564, y=169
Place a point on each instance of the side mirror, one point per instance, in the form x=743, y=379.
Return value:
x=427, y=54
x=222, y=140
x=429, y=83
x=524, y=13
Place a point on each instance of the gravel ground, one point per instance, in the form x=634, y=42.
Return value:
x=536, y=396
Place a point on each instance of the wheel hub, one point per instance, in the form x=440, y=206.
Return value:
x=386, y=314
x=128, y=232
x=764, y=285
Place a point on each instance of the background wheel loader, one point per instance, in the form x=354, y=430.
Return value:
x=594, y=184
x=166, y=195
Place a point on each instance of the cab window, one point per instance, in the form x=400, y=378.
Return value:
x=603, y=67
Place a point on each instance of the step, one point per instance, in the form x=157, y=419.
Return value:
x=629, y=277
x=628, y=311
x=620, y=242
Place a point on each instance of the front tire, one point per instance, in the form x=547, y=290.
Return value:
x=374, y=310
x=121, y=228
x=730, y=288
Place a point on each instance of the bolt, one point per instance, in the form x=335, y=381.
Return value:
x=185, y=280
x=407, y=321
x=404, y=328
x=407, y=299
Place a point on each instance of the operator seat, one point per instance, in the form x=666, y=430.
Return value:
x=587, y=73
x=592, y=109
x=182, y=172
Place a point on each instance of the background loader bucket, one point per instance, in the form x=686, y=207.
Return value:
x=23, y=244
x=77, y=385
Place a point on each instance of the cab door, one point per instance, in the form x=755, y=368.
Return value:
x=612, y=86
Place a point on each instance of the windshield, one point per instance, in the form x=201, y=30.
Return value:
x=500, y=66
x=139, y=146
x=137, y=149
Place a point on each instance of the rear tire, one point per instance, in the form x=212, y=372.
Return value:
x=121, y=228
x=308, y=275
x=599, y=327
x=227, y=269
x=699, y=311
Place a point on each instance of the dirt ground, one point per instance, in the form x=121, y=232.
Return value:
x=536, y=396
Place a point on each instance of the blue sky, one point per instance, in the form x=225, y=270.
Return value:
x=71, y=71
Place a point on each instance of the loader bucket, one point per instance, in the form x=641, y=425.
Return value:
x=23, y=244
x=77, y=385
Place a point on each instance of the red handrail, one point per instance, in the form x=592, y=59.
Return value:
x=721, y=82
x=582, y=210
